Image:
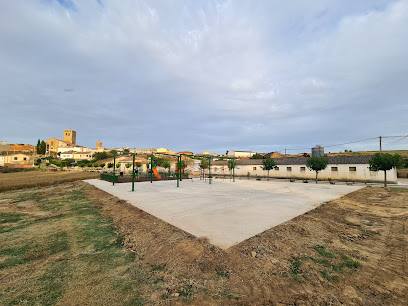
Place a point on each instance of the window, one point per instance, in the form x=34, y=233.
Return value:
x=15, y=158
x=289, y=168
x=254, y=168
x=352, y=169
x=25, y=158
x=334, y=169
x=302, y=169
x=277, y=168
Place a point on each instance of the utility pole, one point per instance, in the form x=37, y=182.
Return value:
x=285, y=152
x=380, y=146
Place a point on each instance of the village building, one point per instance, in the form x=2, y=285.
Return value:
x=240, y=153
x=68, y=141
x=16, y=160
x=342, y=168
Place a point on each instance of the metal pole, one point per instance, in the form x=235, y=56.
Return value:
x=380, y=146
x=114, y=165
x=151, y=168
x=177, y=172
x=233, y=173
x=133, y=174
x=209, y=170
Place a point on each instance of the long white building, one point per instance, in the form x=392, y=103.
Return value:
x=345, y=168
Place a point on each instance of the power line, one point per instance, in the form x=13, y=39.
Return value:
x=351, y=142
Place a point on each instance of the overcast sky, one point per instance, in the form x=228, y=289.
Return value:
x=205, y=75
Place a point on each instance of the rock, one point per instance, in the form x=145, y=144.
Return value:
x=176, y=294
x=253, y=254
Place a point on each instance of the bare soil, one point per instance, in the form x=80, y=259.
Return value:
x=18, y=180
x=60, y=245
x=352, y=250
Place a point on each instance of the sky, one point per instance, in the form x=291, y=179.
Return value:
x=205, y=75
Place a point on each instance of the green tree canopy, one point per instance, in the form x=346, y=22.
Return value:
x=232, y=163
x=166, y=164
x=384, y=162
x=317, y=163
x=110, y=165
x=268, y=164
x=257, y=156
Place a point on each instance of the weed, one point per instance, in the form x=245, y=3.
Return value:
x=328, y=276
x=322, y=251
x=221, y=272
x=159, y=267
x=187, y=291
x=305, y=181
x=350, y=263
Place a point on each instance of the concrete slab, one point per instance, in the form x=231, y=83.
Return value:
x=225, y=212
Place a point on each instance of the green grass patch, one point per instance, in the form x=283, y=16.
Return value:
x=323, y=252
x=10, y=218
x=70, y=247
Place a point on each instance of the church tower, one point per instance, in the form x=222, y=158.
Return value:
x=69, y=136
x=99, y=145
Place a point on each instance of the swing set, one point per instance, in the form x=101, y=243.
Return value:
x=153, y=170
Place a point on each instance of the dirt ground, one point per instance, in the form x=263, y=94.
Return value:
x=352, y=250
x=17, y=180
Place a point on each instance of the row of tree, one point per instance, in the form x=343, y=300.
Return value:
x=41, y=147
x=379, y=162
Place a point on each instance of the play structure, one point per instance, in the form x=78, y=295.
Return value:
x=179, y=174
x=156, y=174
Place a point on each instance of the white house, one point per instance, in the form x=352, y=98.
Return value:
x=240, y=153
x=344, y=168
x=75, y=149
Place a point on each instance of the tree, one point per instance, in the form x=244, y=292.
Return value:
x=166, y=164
x=102, y=165
x=100, y=155
x=95, y=165
x=110, y=165
x=317, y=163
x=257, y=156
x=268, y=164
x=384, y=162
x=128, y=165
x=43, y=147
x=126, y=150
x=204, y=165
x=232, y=163
x=38, y=146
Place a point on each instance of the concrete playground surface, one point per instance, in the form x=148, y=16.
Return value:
x=225, y=212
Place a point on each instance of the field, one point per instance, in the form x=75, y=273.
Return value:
x=74, y=244
x=17, y=180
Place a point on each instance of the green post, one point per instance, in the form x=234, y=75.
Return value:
x=177, y=172
x=233, y=174
x=209, y=170
x=114, y=165
x=133, y=174
x=151, y=168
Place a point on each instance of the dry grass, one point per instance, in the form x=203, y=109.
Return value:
x=18, y=180
x=55, y=248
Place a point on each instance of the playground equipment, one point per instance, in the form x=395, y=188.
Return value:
x=156, y=174
x=113, y=178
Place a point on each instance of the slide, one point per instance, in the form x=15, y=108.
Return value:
x=156, y=174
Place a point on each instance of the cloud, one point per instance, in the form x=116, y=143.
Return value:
x=202, y=75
